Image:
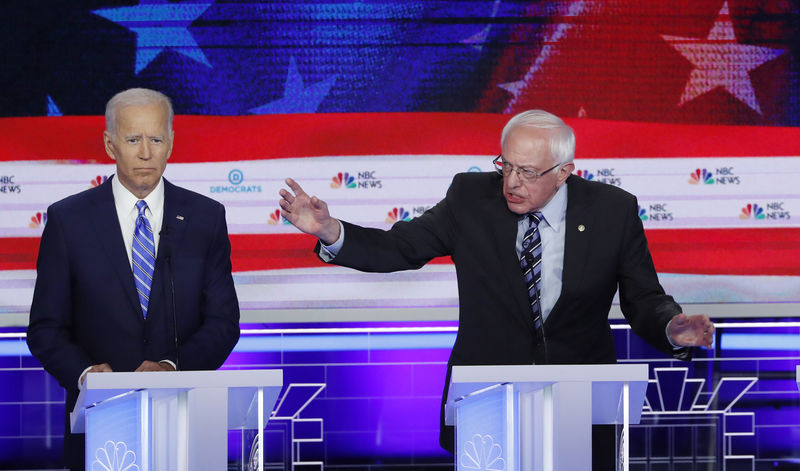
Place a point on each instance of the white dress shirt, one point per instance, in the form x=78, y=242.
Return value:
x=125, y=202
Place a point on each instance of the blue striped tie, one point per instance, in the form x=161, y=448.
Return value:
x=144, y=256
x=531, y=264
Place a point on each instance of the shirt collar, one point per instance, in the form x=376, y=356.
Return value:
x=556, y=209
x=125, y=201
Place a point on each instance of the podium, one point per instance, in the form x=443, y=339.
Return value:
x=171, y=420
x=539, y=417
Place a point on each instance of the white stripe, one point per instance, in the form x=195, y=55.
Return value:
x=152, y=268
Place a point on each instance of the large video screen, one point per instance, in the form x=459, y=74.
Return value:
x=693, y=106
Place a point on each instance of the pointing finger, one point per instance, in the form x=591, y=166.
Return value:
x=296, y=188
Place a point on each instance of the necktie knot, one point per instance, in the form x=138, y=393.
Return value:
x=141, y=206
x=535, y=218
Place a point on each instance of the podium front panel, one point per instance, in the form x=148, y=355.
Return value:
x=117, y=435
x=487, y=434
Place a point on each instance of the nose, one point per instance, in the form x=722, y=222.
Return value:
x=514, y=178
x=145, y=153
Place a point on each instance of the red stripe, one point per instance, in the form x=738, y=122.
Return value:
x=218, y=138
x=689, y=251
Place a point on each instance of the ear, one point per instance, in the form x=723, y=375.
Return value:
x=171, y=142
x=565, y=171
x=109, y=145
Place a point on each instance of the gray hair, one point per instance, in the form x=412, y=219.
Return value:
x=136, y=97
x=562, y=138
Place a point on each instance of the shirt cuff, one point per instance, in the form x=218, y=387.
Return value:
x=329, y=252
x=669, y=339
x=80, y=383
x=170, y=363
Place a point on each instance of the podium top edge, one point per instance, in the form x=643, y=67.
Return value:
x=184, y=379
x=548, y=373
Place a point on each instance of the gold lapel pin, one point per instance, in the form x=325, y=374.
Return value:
x=581, y=228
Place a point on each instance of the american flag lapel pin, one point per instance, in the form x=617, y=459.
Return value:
x=179, y=217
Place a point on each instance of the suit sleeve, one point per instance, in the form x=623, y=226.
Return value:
x=49, y=338
x=210, y=344
x=408, y=245
x=643, y=301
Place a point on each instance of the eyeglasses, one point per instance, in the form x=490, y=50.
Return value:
x=526, y=174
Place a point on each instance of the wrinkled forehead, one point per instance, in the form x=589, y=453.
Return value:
x=528, y=147
x=150, y=119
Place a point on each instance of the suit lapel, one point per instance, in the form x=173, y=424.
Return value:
x=103, y=216
x=577, y=234
x=505, y=225
x=172, y=226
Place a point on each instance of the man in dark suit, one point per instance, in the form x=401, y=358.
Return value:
x=134, y=275
x=592, y=242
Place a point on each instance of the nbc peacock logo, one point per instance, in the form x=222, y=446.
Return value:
x=97, y=181
x=275, y=218
x=643, y=214
x=585, y=174
x=38, y=220
x=343, y=179
x=752, y=211
x=701, y=176
x=397, y=214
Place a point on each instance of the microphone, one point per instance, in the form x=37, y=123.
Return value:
x=166, y=253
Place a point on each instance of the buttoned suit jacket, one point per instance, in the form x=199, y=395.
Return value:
x=85, y=308
x=605, y=249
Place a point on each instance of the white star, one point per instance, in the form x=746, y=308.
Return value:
x=720, y=61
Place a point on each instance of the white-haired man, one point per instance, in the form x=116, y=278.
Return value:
x=134, y=275
x=539, y=255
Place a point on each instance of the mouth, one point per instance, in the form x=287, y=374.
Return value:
x=514, y=199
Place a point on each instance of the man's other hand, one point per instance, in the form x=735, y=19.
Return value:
x=691, y=331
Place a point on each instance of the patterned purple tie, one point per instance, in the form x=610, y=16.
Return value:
x=143, y=254
x=531, y=264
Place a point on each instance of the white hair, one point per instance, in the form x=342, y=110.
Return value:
x=136, y=97
x=562, y=138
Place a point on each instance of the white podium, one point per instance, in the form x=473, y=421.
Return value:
x=539, y=417
x=171, y=420
x=797, y=375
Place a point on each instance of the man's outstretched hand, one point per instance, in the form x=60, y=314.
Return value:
x=308, y=213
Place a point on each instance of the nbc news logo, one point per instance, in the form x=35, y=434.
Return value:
x=7, y=184
x=397, y=214
x=774, y=210
x=363, y=180
x=725, y=176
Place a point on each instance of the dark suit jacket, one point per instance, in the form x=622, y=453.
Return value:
x=85, y=309
x=474, y=225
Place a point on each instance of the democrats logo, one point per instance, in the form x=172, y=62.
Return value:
x=474, y=169
x=8, y=186
x=366, y=180
x=275, y=218
x=235, y=180
x=397, y=214
x=643, y=214
x=752, y=211
x=38, y=220
x=585, y=174
x=97, y=181
x=343, y=180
